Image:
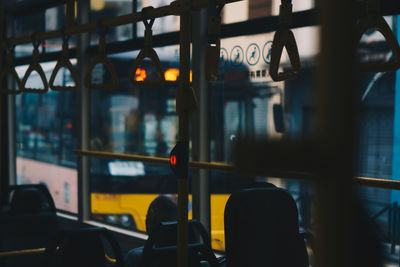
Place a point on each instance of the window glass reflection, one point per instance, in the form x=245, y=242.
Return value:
x=109, y=9
x=133, y=119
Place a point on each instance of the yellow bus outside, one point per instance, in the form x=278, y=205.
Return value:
x=137, y=205
x=64, y=191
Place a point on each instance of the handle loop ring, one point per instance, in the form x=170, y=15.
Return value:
x=148, y=25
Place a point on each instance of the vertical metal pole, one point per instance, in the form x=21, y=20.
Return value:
x=183, y=113
x=336, y=122
x=3, y=179
x=134, y=25
x=398, y=232
x=200, y=135
x=394, y=227
x=389, y=227
x=395, y=194
x=11, y=120
x=70, y=12
x=83, y=164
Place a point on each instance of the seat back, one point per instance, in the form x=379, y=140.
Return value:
x=82, y=248
x=262, y=229
x=30, y=222
x=29, y=198
x=161, y=247
x=20, y=231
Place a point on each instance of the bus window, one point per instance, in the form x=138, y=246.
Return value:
x=132, y=120
x=258, y=8
x=243, y=98
x=242, y=103
x=46, y=135
x=109, y=9
x=124, y=189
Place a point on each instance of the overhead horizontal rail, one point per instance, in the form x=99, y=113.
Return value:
x=159, y=40
x=225, y=167
x=301, y=19
x=255, y=26
x=175, y=8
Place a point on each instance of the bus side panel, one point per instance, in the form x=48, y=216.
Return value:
x=62, y=182
x=218, y=202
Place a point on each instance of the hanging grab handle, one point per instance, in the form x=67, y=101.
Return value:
x=147, y=52
x=101, y=58
x=10, y=70
x=284, y=38
x=64, y=62
x=373, y=20
x=214, y=41
x=35, y=66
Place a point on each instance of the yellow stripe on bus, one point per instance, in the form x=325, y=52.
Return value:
x=137, y=205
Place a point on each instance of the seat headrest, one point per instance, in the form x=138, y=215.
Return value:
x=270, y=220
x=271, y=207
x=26, y=200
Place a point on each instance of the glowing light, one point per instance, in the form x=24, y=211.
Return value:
x=172, y=75
x=173, y=160
x=140, y=75
x=97, y=5
x=68, y=126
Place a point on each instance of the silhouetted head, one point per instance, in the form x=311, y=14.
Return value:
x=163, y=208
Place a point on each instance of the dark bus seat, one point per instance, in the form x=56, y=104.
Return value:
x=161, y=247
x=262, y=229
x=26, y=201
x=30, y=222
x=22, y=231
x=82, y=248
x=29, y=198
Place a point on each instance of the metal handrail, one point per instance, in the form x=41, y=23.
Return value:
x=284, y=37
x=147, y=52
x=226, y=167
x=374, y=20
x=64, y=62
x=9, y=69
x=39, y=251
x=35, y=66
x=15, y=253
x=101, y=58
